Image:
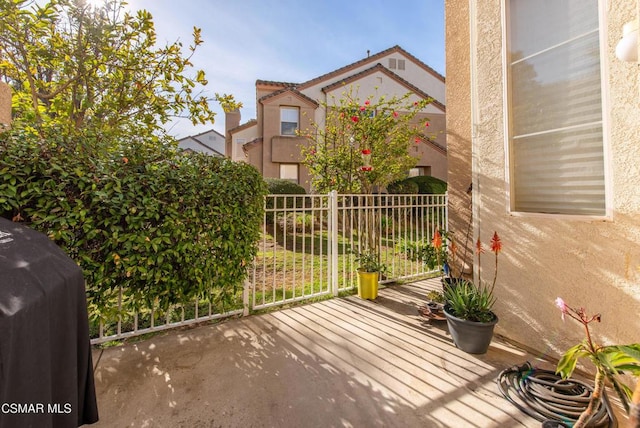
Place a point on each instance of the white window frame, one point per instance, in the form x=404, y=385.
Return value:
x=283, y=113
x=286, y=169
x=608, y=198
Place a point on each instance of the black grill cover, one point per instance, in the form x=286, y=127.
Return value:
x=46, y=370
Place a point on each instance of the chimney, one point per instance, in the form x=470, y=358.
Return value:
x=231, y=120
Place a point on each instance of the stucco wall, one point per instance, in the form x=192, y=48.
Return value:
x=458, y=119
x=5, y=104
x=593, y=264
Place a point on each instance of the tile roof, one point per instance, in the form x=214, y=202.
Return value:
x=291, y=89
x=380, y=68
x=370, y=59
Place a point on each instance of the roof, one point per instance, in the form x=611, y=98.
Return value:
x=245, y=125
x=370, y=59
x=202, y=143
x=380, y=68
x=292, y=90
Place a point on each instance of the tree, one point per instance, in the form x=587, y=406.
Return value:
x=76, y=70
x=364, y=144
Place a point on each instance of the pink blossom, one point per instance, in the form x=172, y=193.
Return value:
x=355, y=119
x=363, y=108
x=366, y=103
x=417, y=140
x=395, y=114
x=426, y=124
x=562, y=306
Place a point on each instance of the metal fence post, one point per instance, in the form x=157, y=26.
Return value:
x=333, y=244
x=245, y=297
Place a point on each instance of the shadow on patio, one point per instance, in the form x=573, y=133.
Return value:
x=343, y=362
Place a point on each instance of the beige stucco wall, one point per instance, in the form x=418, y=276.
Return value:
x=590, y=263
x=458, y=120
x=5, y=105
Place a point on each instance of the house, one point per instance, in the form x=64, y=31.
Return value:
x=543, y=119
x=271, y=144
x=210, y=142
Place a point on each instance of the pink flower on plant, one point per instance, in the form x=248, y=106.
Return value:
x=363, y=108
x=417, y=140
x=426, y=124
x=395, y=114
x=355, y=119
x=367, y=103
x=562, y=306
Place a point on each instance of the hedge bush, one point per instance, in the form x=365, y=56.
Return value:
x=425, y=185
x=166, y=227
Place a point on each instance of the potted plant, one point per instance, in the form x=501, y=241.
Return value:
x=369, y=270
x=609, y=361
x=469, y=308
x=441, y=254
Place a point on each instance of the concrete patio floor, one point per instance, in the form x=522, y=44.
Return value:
x=343, y=362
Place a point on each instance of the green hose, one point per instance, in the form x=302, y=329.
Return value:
x=544, y=395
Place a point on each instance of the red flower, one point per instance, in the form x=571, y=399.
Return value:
x=355, y=119
x=366, y=168
x=363, y=108
x=366, y=103
x=437, y=240
x=395, y=114
x=366, y=152
x=426, y=124
x=479, y=247
x=417, y=140
x=496, y=244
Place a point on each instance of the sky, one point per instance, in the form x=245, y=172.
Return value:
x=290, y=40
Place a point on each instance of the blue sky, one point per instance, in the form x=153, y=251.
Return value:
x=291, y=40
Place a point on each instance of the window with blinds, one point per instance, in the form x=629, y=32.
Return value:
x=289, y=120
x=556, y=158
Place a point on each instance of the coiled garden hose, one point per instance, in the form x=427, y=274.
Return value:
x=544, y=395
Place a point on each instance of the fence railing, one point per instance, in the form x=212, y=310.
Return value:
x=308, y=249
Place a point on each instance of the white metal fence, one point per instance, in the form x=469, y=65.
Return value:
x=308, y=249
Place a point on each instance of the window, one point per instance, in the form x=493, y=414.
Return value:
x=556, y=148
x=419, y=171
x=289, y=171
x=289, y=120
x=392, y=63
x=400, y=64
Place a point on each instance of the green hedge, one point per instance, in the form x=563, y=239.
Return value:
x=425, y=185
x=165, y=226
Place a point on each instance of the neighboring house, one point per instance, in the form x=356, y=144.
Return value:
x=543, y=118
x=270, y=143
x=210, y=142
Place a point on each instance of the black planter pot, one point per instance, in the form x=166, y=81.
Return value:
x=470, y=336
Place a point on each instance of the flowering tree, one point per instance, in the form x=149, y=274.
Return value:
x=364, y=144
